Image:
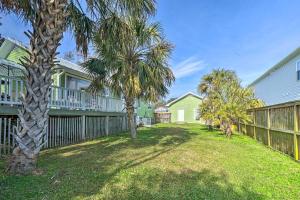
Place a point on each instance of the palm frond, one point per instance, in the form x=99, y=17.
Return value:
x=81, y=26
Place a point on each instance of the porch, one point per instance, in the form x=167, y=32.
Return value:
x=11, y=89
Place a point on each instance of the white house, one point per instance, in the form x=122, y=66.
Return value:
x=281, y=83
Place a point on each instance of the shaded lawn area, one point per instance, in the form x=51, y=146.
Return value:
x=165, y=162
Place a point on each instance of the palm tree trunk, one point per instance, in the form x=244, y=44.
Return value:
x=228, y=130
x=130, y=114
x=48, y=24
x=209, y=124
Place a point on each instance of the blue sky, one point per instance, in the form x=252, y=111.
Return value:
x=246, y=36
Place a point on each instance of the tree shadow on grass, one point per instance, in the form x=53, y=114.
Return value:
x=117, y=168
x=146, y=137
x=154, y=183
x=70, y=170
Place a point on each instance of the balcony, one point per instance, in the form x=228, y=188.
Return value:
x=60, y=98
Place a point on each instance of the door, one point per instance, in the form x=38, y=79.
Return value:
x=180, y=115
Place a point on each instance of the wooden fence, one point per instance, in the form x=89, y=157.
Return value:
x=64, y=130
x=162, y=117
x=276, y=126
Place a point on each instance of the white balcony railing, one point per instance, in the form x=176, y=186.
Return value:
x=60, y=98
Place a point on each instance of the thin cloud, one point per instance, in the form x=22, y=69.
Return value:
x=188, y=67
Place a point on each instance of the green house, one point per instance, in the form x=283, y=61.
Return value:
x=65, y=74
x=68, y=89
x=185, y=109
x=144, y=112
x=144, y=109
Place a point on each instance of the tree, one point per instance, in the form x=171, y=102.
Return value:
x=132, y=62
x=49, y=19
x=225, y=100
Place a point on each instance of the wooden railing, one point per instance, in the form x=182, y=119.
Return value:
x=60, y=98
x=276, y=126
x=10, y=90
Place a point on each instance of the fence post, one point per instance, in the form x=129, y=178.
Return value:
x=269, y=126
x=254, y=125
x=295, y=133
x=83, y=127
x=107, y=125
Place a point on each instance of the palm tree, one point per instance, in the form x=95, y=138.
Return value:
x=225, y=100
x=49, y=19
x=132, y=62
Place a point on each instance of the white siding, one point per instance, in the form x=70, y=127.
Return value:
x=280, y=86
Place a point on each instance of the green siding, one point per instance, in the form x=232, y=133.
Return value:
x=54, y=78
x=188, y=104
x=144, y=110
x=16, y=55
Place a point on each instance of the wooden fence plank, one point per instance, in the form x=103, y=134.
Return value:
x=295, y=134
x=254, y=127
x=4, y=136
x=8, y=136
x=1, y=136
x=269, y=126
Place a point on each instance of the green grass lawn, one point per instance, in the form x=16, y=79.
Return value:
x=165, y=162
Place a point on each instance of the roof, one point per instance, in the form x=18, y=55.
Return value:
x=65, y=63
x=8, y=68
x=277, y=66
x=182, y=97
x=70, y=65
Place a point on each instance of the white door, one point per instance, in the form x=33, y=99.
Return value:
x=180, y=115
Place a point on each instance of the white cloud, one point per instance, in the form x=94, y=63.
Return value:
x=188, y=67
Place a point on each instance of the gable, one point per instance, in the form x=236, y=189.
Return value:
x=279, y=65
x=13, y=51
x=280, y=86
x=182, y=97
x=189, y=100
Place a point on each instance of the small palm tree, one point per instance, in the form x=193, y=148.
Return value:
x=225, y=100
x=49, y=19
x=131, y=61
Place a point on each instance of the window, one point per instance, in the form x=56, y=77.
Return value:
x=298, y=70
x=77, y=84
x=82, y=84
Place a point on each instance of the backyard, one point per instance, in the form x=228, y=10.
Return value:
x=165, y=162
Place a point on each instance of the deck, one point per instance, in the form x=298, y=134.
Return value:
x=60, y=98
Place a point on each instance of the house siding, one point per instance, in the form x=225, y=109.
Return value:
x=145, y=110
x=13, y=52
x=16, y=55
x=280, y=86
x=188, y=104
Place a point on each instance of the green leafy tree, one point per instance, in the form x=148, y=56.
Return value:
x=225, y=100
x=131, y=61
x=49, y=19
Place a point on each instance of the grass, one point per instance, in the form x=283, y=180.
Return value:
x=165, y=162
